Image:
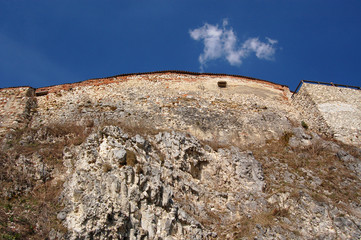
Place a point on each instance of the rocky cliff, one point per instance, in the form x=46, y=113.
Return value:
x=175, y=155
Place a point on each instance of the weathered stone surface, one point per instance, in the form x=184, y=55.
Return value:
x=123, y=201
x=16, y=106
x=352, y=163
x=333, y=110
x=179, y=184
x=173, y=156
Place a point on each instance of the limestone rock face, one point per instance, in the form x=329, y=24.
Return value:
x=121, y=187
x=172, y=186
x=171, y=155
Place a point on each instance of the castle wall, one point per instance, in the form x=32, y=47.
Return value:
x=332, y=110
x=309, y=111
x=246, y=110
x=15, y=107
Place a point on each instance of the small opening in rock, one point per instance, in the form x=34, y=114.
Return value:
x=222, y=84
x=41, y=93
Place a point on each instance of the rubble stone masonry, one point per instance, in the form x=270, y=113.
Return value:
x=15, y=107
x=246, y=108
x=335, y=111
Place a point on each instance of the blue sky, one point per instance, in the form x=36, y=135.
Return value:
x=48, y=42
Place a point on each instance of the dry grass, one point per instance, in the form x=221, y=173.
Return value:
x=215, y=145
x=131, y=159
x=61, y=135
x=31, y=215
x=335, y=177
x=285, y=138
x=39, y=207
x=107, y=167
x=133, y=127
x=245, y=226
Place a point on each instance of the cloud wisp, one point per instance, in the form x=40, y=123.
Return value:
x=222, y=42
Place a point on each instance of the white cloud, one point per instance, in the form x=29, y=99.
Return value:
x=271, y=41
x=262, y=50
x=223, y=43
x=211, y=35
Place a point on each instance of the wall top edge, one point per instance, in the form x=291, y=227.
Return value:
x=105, y=80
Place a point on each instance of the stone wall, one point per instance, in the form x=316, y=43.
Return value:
x=246, y=111
x=335, y=111
x=156, y=76
x=15, y=107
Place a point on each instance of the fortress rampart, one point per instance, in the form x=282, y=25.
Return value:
x=247, y=108
x=335, y=111
x=15, y=107
x=156, y=76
